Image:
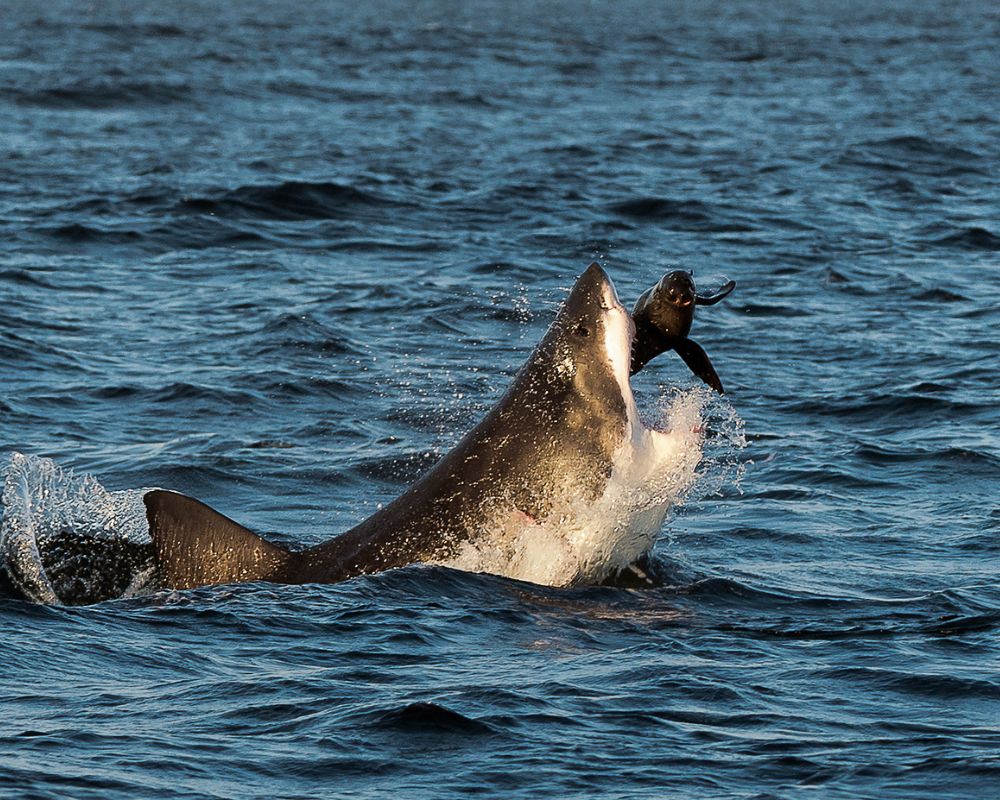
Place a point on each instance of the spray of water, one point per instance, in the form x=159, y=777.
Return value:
x=723, y=465
x=52, y=518
x=691, y=449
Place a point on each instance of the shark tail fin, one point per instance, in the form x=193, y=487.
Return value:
x=197, y=546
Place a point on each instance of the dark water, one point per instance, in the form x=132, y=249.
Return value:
x=280, y=255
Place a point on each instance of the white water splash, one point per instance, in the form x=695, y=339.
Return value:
x=722, y=465
x=43, y=503
x=656, y=468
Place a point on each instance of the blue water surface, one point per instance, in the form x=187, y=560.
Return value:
x=281, y=255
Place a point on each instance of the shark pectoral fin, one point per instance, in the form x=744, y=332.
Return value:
x=197, y=546
x=712, y=299
x=698, y=363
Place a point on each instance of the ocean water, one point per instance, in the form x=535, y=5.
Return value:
x=280, y=256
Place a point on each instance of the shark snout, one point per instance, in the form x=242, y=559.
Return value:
x=596, y=283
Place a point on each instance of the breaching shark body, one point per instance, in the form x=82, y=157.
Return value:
x=559, y=483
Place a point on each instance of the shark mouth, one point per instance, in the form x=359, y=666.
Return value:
x=620, y=334
x=654, y=468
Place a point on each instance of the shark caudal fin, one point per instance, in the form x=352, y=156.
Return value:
x=197, y=546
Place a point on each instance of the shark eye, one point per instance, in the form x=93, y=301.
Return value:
x=582, y=330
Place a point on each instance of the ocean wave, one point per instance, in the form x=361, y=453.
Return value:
x=885, y=406
x=939, y=295
x=397, y=244
x=175, y=392
x=325, y=92
x=752, y=309
x=25, y=277
x=77, y=233
x=426, y=717
x=688, y=215
x=129, y=29
x=971, y=238
x=200, y=232
x=884, y=455
x=841, y=477
x=964, y=624
x=304, y=332
x=912, y=683
x=917, y=155
x=289, y=200
x=101, y=95
x=277, y=385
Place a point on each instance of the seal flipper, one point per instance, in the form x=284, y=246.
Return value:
x=197, y=546
x=712, y=299
x=697, y=360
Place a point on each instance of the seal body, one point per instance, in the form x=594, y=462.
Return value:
x=663, y=317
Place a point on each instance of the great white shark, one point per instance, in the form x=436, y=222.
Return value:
x=560, y=483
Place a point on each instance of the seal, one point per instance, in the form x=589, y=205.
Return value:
x=663, y=317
